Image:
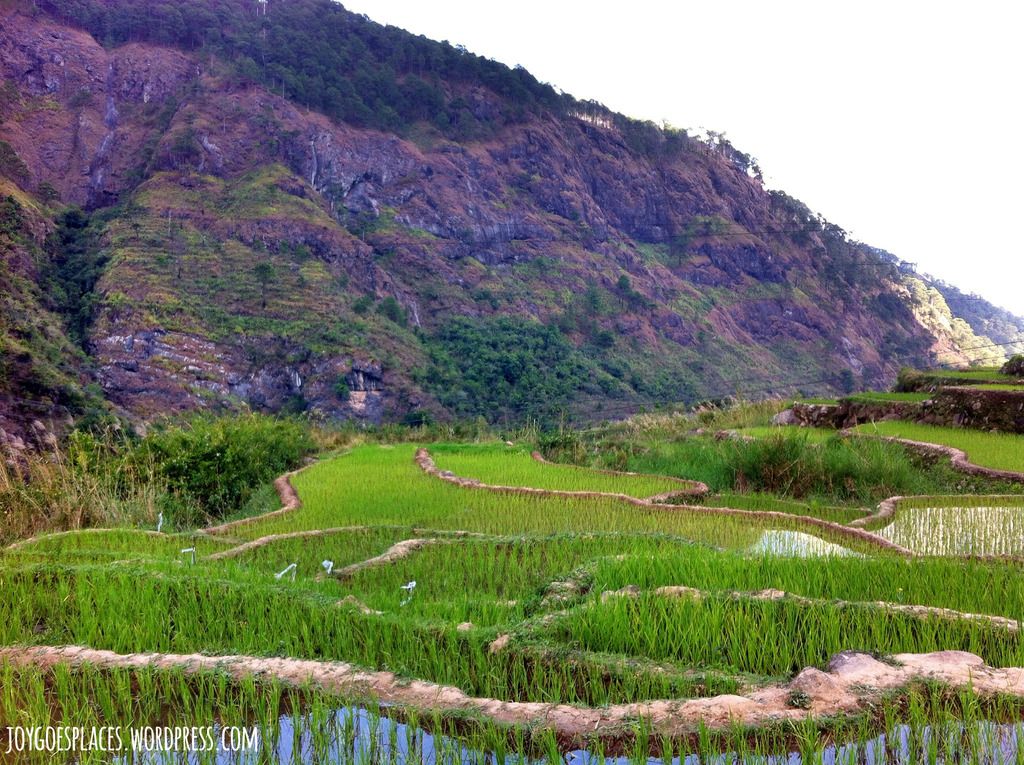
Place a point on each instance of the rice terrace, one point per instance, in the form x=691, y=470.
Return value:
x=703, y=587
x=432, y=383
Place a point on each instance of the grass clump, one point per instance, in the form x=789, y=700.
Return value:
x=64, y=489
x=817, y=466
x=215, y=464
x=790, y=463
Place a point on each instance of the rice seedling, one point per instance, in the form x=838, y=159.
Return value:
x=341, y=548
x=771, y=638
x=348, y=490
x=953, y=529
x=128, y=611
x=112, y=544
x=510, y=466
x=534, y=574
x=963, y=585
x=294, y=726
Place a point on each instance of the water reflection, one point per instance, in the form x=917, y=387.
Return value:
x=959, y=530
x=795, y=544
x=356, y=736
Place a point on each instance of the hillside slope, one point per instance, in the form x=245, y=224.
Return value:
x=465, y=242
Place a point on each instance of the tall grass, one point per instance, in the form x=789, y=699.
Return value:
x=190, y=472
x=790, y=463
x=59, y=489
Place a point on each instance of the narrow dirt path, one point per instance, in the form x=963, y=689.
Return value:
x=290, y=502
x=851, y=682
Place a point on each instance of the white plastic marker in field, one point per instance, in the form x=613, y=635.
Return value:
x=291, y=567
x=190, y=550
x=328, y=566
x=408, y=587
x=159, y=522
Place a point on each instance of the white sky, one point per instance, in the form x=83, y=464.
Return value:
x=899, y=121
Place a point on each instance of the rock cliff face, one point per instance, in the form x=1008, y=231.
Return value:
x=258, y=253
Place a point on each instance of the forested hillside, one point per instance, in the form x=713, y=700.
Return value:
x=285, y=206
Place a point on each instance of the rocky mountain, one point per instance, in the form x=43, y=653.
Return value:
x=282, y=205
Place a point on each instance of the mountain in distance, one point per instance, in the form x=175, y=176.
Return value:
x=220, y=204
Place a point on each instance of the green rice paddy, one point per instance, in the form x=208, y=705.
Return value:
x=535, y=570
x=816, y=435
x=959, y=526
x=871, y=397
x=1002, y=451
x=510, y=466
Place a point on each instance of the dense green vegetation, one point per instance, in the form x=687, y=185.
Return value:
x=328, y=59
x=216, y=464
x=39, y=364
x=188, y=473
x=1014, y=367
x=510, y=370
x=342, y=64
x=800, y=463
x=391, y=568
x=76, y=264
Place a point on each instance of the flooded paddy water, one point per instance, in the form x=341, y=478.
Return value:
x=795, y=544
x=958, y=530
x=353, y=735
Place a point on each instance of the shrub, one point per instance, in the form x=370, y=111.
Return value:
x=390, y=309
x=363, y=305
x=342, y=389
x=1015, y=366
x=215, y=464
